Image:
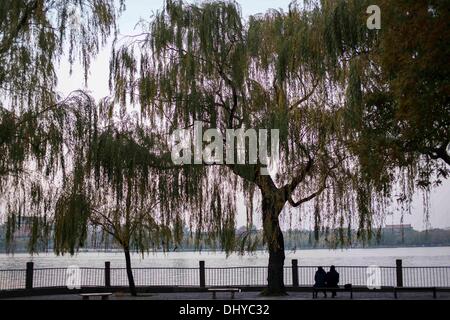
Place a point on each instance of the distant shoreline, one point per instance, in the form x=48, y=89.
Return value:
x=222, y=251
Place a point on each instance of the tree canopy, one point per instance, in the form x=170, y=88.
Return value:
x=34, y=36
x=413, y=57
x=39, y=129
x=400, y=108
x=205, y=63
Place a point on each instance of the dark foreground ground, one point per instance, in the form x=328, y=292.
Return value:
x=254, y=296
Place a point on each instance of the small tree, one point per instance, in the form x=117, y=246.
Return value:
x=117, y=192
x=38, y=151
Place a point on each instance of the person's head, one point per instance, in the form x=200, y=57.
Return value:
x=319, y=269
x=332, y=268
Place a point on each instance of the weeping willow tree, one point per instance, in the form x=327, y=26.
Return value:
x=280, y=70
x=37, y=159
x=117, y=188
x=38, y=127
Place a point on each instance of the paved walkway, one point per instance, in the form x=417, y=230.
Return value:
x=255, y=296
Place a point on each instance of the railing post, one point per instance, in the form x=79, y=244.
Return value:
x=107, y=274
x=295, y=273
x=29, y=276
x=202, y=274
x=399, y=268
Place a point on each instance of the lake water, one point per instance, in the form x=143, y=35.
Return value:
x=434, y=256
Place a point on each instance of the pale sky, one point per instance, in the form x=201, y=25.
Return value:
x=137, y=9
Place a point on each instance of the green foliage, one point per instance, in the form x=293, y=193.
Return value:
x=71, y=221
x=414, y=64
x=356, y=127
x=36, y=34
x=40, y=132
x=398, y=98
x=280, y=70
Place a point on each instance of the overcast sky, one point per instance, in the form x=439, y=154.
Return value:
x=137, y=9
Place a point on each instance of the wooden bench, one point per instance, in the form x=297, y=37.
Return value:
x=415, y=289
x=232, y=290
x=103, y=295
x=346, y=288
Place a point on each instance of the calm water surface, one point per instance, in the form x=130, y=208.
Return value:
x=435, y=256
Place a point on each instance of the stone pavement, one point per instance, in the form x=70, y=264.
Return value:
x=254, y=296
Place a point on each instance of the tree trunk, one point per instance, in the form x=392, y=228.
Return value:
x=275, y=279
x=130, y=272
x=273, y=235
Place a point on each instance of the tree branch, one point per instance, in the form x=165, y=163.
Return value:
x=440, y=153
x=311, y=196
x=315, y=194
x=290, y=187
x=306, y=97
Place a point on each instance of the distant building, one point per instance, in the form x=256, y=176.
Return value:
x=243, y=229
x=398, y=227
x=24, y=227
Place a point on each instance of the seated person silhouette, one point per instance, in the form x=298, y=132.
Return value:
x=332, y=280
x=320, y=280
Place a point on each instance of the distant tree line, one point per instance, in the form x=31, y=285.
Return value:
x=294, y=239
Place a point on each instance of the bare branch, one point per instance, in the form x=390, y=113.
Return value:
x=290, y=187
x=305, y=98
x=310, y=197
x=440, y=153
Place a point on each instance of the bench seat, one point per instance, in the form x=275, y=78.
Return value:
x=232, y=290
x=414, y=289
x=336, y=289
x=103, y=295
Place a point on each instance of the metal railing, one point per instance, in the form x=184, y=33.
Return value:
x=224, y=276
x=12, y=279
x=156, y=277
x=356, y=275
x=57, y=277
x=426, y=276
x=257, y=276
x=235, y=276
